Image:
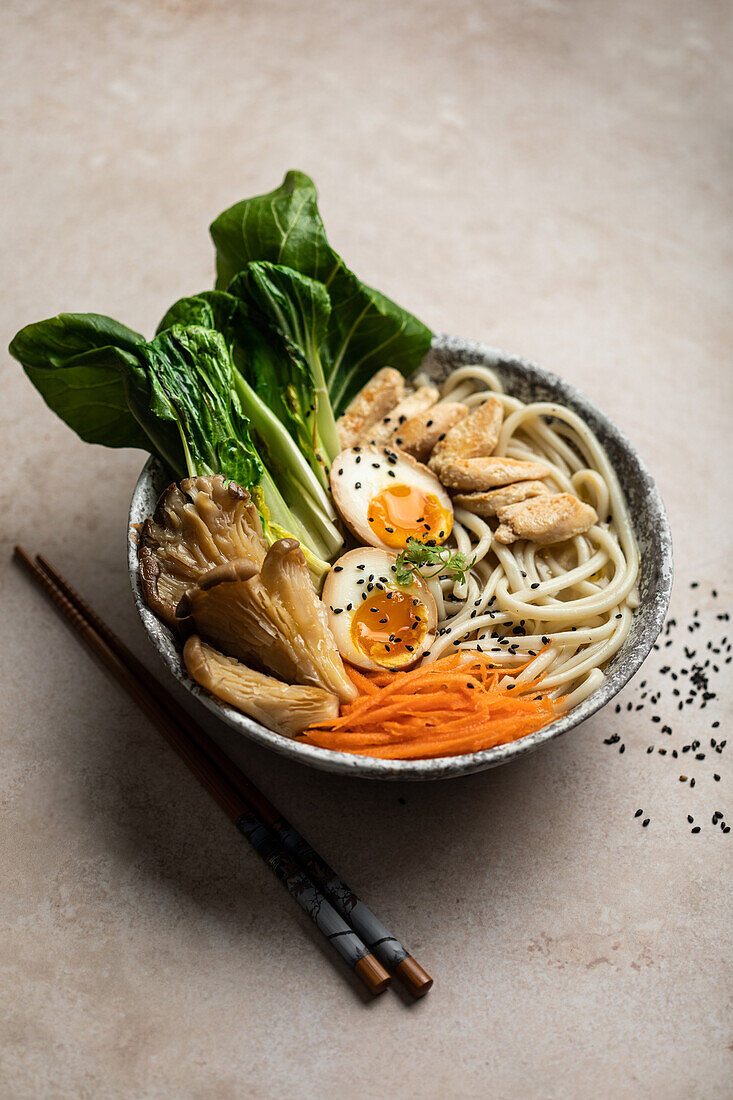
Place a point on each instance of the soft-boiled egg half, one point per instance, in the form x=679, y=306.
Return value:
x=386, y=497
x=378, y=623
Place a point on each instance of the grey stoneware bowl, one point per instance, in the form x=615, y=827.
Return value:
x=530, y=383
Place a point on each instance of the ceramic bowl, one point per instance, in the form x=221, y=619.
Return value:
x=530, y=383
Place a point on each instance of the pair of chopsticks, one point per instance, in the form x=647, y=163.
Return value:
x=346, y=922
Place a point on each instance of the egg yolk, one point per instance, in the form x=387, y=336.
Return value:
x=389, y=627
x=401, y=512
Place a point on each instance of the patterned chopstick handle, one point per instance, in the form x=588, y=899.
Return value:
x=295, y=880
x=379, y=939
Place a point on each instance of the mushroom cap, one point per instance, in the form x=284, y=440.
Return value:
x=272, y=616
x=201, y=523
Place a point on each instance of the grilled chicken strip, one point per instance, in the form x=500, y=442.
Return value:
x=419, y=435
x=475, y=436
x=372, y=402
x=490, y=502
x=545, y=519
x=479, y=474
x=424, y=397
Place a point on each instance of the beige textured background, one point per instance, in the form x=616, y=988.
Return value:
x=548, y=176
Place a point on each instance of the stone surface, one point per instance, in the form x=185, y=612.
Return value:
x=549, y=178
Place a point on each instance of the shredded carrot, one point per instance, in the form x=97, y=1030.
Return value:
x=457, y=704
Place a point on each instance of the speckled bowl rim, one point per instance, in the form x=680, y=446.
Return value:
x=526, y=380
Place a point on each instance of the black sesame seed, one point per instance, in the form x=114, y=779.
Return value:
x=338, y=568
x=357, y=485
x=696, y=829
x=645, y=822
x=638, y=813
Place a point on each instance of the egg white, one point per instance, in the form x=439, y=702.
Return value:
x=361, y=473
x=347, y=587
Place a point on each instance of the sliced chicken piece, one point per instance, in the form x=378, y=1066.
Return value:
x=388, y=427
x=285, y=708
x=372, y=402
x=479, y=474
x=545, y=519
x=420, y=433
x=489, y=503
x=474, y=436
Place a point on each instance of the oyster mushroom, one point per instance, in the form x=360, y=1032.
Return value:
x=285, y=708
x=272, y=616
x=199, y=524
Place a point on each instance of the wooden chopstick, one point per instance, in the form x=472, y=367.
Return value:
x=353, y=910
x=235, y=805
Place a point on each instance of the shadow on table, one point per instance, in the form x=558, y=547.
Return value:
x=411, y=850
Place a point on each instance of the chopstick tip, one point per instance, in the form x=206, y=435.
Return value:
x=411, y=974
x=373, y=974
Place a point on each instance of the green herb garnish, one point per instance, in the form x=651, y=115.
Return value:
x=439, y=560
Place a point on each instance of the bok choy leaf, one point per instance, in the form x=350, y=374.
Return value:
x=366, y=330
x=299, y=309
x=176, y=396
x=269, y=375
